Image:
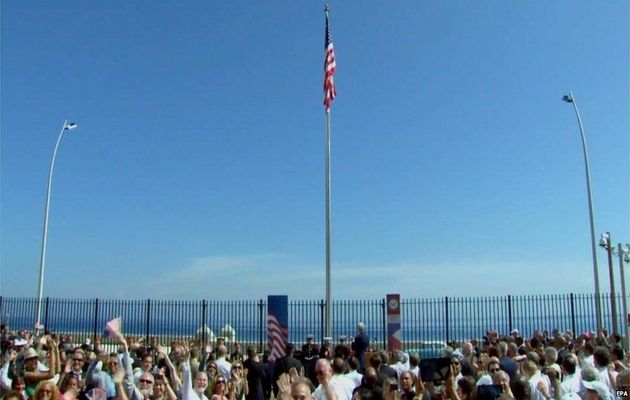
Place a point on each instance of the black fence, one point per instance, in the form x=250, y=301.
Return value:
x=434, y=319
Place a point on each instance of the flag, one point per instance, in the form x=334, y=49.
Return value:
x=113, y=328
x=330, y=66
x=277, y=326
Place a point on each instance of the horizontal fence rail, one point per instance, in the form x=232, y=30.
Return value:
x=443, y=319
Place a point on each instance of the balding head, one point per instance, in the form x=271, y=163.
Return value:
x=301, y=391
x=323, y=370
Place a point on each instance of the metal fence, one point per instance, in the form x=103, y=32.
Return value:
x=443, y=319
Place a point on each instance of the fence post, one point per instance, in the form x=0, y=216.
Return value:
x=321, y=320
x=572, y=302
x=148, y=319
x=260, y=319
x=384, y=308
x=95, y=318
x=446, y=316
x=46, y=327
x=204, y=307
x=509, y=299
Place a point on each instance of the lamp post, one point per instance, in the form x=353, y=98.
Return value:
x=66, y=127
x=624, y=257
x=605, y=242
x=598, y=307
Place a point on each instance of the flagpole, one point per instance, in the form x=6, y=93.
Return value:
x=329, y=94
x=42, y=261
x=328, y=231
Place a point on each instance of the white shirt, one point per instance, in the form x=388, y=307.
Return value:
x=340, y=384
x=355, y=377
x=224, y=367
x=570, y=384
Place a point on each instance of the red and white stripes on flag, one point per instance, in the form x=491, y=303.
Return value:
x=277, y=339
x=330, y=66
x=277, y=326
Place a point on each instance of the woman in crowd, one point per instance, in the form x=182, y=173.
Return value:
x=46, y=390
x=237, y=385
x=32, y=376
x=219, y=387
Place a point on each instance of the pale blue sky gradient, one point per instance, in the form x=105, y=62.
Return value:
x=197, y=170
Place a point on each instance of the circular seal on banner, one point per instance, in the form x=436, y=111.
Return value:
x=393, y=304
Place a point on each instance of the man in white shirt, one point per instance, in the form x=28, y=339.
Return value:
x=223, y=365
x=354, y=375
x=330, y=388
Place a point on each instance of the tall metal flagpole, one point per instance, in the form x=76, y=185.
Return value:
x=329, y=68
x=42, y=262
x=598, y=306
x=328, y=229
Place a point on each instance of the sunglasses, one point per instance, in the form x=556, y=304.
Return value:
x=493, y=370
x=221, y=381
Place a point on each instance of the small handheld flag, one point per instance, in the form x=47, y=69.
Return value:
x=113, y=328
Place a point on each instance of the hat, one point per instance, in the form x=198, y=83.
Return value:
x=514, y=332
x=600, y=387
x=342, y=338
x=327, y=339
x=309, y=337
x=20, y=342
x=30, y=353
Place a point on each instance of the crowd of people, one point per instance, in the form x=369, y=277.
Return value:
x=556, y=365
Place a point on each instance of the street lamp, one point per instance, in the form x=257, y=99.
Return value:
x=66, y=127
x=605, y=242
x=598, y=307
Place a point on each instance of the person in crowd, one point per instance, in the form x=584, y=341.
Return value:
x=353, y=374
x=401, y=362
x=492, y=367
x=369, y=387
x=466, y=388
x=32, y=376
x=379, y=363
x=407, y=386
x=329, y=388
x=606, y=373
x=12, y=395
x=146, y=365
x=284, y=364
x=456, y=367
x=360, y=344
x=237, y=384
x=469, y=366
x=69, y=387
x=236, y=355
x=339, y=378
x=342, y=350
x=505, y=362
x=162, y=389
x=257, y=379
x=501, y=378
x=414, y=364
x=219, y=388
x=223, y=365
x=192, y=390
x=309, y=357
x=46, y=390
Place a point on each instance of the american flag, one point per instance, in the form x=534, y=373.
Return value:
x=330, y=66
x=277, y=326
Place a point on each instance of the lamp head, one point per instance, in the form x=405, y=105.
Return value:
x=70, y=126
x=603, y=241
x=567, y=98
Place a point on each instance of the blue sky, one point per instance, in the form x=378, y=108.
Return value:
x=197, y=170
